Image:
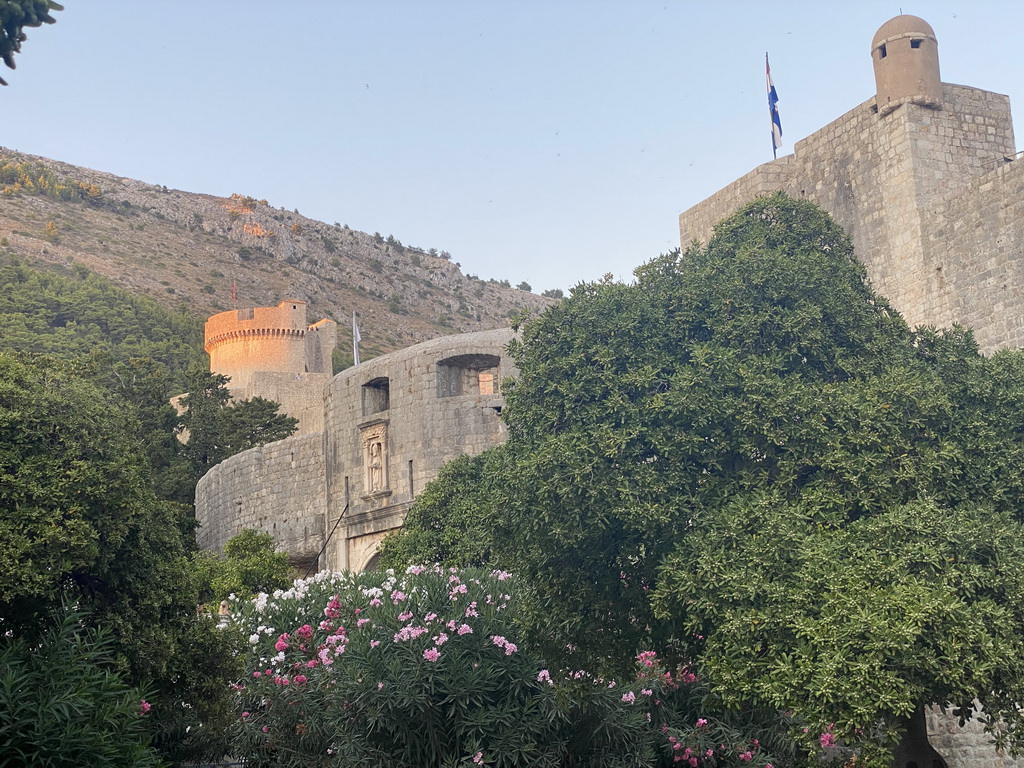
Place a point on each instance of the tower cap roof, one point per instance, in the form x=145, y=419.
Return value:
x=902, y=26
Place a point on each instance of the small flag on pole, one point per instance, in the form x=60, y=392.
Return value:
x=356, y=338
x=773, y=109
x=234, y=294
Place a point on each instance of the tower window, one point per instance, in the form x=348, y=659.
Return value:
x=881, y=51
x=915, y=43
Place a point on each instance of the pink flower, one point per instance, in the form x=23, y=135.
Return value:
x=827, y=740
x=374, y=643
x=431, y=654
x=257, y=674
x=747, y=756
x=629, y=697
x=701, y=722
x=375, y=602
x=458, y=589
x=282, y=642
x=379, y=686
x=264, y=729
x=333, y=609
x=478, y=758
x=245, y=715
x=464, y=629
x=544, y=677
x=299, y=679
x=646, y=691
x=397, y=596
x=144, y=707
x=647, y=658
x=471, y=611
x=441, y=639
x=693, y=762
x=405, y=615
x=361, y=622
x=312, y=663
x=430, y=617
x=305, y=631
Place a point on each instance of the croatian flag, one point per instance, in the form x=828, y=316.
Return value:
x=773, y=109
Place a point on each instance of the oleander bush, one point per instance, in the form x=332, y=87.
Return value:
x=428, y=668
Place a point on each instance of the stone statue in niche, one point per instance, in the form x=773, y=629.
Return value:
x=376, y=467
x=374, y=439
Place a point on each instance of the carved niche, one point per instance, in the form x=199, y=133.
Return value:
x=373, y=439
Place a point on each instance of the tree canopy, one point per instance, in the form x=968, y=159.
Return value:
x=80, y=523
x=746, y=457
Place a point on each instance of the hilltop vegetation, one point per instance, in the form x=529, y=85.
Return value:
x=83, y=316
x=186, y=252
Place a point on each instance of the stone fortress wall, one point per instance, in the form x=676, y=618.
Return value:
x=390, y=424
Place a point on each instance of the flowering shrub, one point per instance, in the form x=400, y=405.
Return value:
x=427, y=669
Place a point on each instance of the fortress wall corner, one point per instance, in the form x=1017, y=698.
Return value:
x=423, y=406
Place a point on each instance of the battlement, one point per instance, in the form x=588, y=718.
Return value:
x=259, y=347
x=243, y=343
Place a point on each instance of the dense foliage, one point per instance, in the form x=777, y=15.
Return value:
x=428, y=669
x=61, y=705
x=85, y=317
x=79, y=522
x=249, y=565
x=748, y=459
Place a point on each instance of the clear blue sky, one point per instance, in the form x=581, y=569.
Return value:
x=550, y=141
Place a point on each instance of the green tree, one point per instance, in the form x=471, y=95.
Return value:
x=79, y=522
x=747, y=458
x=217, y=428
x=14, y=17
x=250, y=565
x=62, y=705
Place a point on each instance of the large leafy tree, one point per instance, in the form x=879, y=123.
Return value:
x=79, y=523
x=747, y=456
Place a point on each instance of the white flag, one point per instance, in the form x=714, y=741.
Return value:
x=356, y=338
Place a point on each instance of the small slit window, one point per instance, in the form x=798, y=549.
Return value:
x=881, y=51
x=914, y=43
x=376, y=396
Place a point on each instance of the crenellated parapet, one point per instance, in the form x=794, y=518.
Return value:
x=271, y=352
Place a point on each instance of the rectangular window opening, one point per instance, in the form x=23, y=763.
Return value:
x=881, y=51
x=411, y=490
x=915, y=43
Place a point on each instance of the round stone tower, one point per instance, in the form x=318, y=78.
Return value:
x=905, y=54
x=244, y=341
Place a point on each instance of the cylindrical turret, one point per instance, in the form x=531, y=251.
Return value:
x=905, y=54
x=242, y=342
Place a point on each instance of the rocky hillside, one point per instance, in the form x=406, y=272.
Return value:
x=186, y=250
